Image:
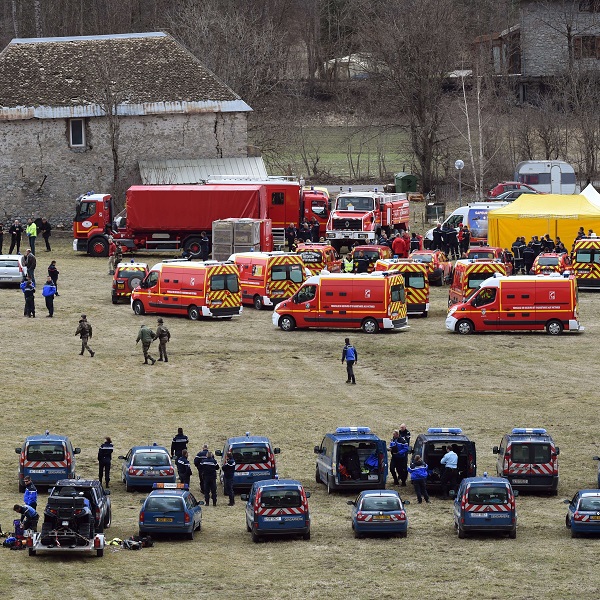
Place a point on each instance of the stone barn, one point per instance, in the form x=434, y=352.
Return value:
x=79, y=113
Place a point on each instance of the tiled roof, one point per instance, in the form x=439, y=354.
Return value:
x=147, y=73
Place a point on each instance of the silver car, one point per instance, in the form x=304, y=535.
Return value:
x=11, y=269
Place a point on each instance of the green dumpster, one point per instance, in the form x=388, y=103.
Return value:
x=405, y=183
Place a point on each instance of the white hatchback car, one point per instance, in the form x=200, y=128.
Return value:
x=11, y=269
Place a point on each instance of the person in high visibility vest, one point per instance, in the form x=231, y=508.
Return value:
x=348, y=264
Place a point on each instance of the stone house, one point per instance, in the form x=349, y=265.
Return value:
x=79, y=113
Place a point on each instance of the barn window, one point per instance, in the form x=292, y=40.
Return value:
x=77, y=133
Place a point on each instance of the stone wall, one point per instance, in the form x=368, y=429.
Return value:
x=41, y=175
x=544, y=38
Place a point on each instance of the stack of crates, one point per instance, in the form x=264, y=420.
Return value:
x=235, y=235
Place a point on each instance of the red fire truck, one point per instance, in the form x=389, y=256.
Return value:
x=171, y=217
x=362, y=216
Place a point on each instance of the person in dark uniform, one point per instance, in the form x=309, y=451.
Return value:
x=291, y=233
x=314, y=229
x=84, y=331
x=30, y=495
x=415, y=242
x=104, y=457
x=16, y=233
x=46, y=228
x=403, y=449
x=28, y=288
x=209, y=475
x=53, y=273
x=164, y=336
x=528, y=254
x=228, y=474
x=179, y=443
x=49, y=291
x=198, y=464
x=204, y=246
x=29, y=516
x=438, y=238
x=350, y=355
x=183, y=467
x=536, y=244
x=394, y=463
x=517, y=248
x=465, y=240
x=451, y=242
x=147, y=336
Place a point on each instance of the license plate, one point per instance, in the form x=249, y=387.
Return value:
x=595, y=518
x=243, y=473
x=120, y=285
x=381, y=518
x=373, y=477
x=520, y=480
x=5, y=278
x=272, y=519
x=164, y=520
x=477, y=515
x=37, y=470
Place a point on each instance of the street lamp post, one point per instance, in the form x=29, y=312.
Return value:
x=459, y=165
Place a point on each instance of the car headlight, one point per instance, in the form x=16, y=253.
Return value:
x=452, y=311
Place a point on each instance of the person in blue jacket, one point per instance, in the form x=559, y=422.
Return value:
x=28, y=289
x=418, y=477
x=29, y=516
x=49, y=291
x=350, y=355
x=30, y=496
x=228, y=469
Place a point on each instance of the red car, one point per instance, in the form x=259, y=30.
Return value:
x=507, y=186
x=491, y=253
x=551, y=262
x=439, y=267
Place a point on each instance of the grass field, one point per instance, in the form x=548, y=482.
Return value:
x=225, y=378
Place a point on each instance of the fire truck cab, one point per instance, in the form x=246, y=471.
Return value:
x=267, y=278
x=469, y=274
x=586, y=263
x=416, y=282
x=195, y=289
x=369, y=302
x=528, y=458
x=521, y=303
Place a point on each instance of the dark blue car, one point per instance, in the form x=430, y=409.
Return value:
x=584, y=512
x=171, y=508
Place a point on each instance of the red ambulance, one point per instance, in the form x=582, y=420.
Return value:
x=364, y=301
x=521, y=303
x=416, y=282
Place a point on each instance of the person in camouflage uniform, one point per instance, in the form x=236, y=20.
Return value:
x=84, y=331
x=164, y=336
x=146, y=336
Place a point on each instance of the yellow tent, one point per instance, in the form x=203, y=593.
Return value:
x=538, y=214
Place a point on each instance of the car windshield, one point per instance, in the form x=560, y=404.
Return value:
x=354, y=203
x=476, y=279
x=398, y=293
x=311, y=256
x=250, y=454
x=164, y=504
x=370, y=254
x=497, y=494
x=150, y=459
x=281, y=498
x=127, y=274
x=287, y=272
x=423, y=258
x=479, y=254
x=550, y=261
x=591, y=503
x=52, y=452
x=381, y=503
x=531, y=453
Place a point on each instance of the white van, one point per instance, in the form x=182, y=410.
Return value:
x=548, y=176
x=474, y=216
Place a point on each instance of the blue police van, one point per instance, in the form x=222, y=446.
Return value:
x=485, y=504
x=254, y=459
x=277, y=507
x=46, y=459
x=351, y=458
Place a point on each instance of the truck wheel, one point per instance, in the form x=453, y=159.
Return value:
x=190, y=535
x=554, y=327
x=98, y=246
x=306, y=536
x=574, y=534
x=425, y=314
x=370, y=325
x=128, y=488
x=461, y=533
x=357, y=535
x=255, y=537
x=31, y=552
x=192, y=244
x=317, y=476
x=464, y=327
x=329, y=485
x=287, y=323
x=512, y=534
x=100, y=552
x=138, y=308
x=115, y=301
x=258, y=303
x=193, y=312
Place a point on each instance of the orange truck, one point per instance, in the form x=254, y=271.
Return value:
x=416, y=282
x=364, y=301
x=195, y=289
x=318, y=256
x=521, y=303
x=469, y=274
x=267, y=278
